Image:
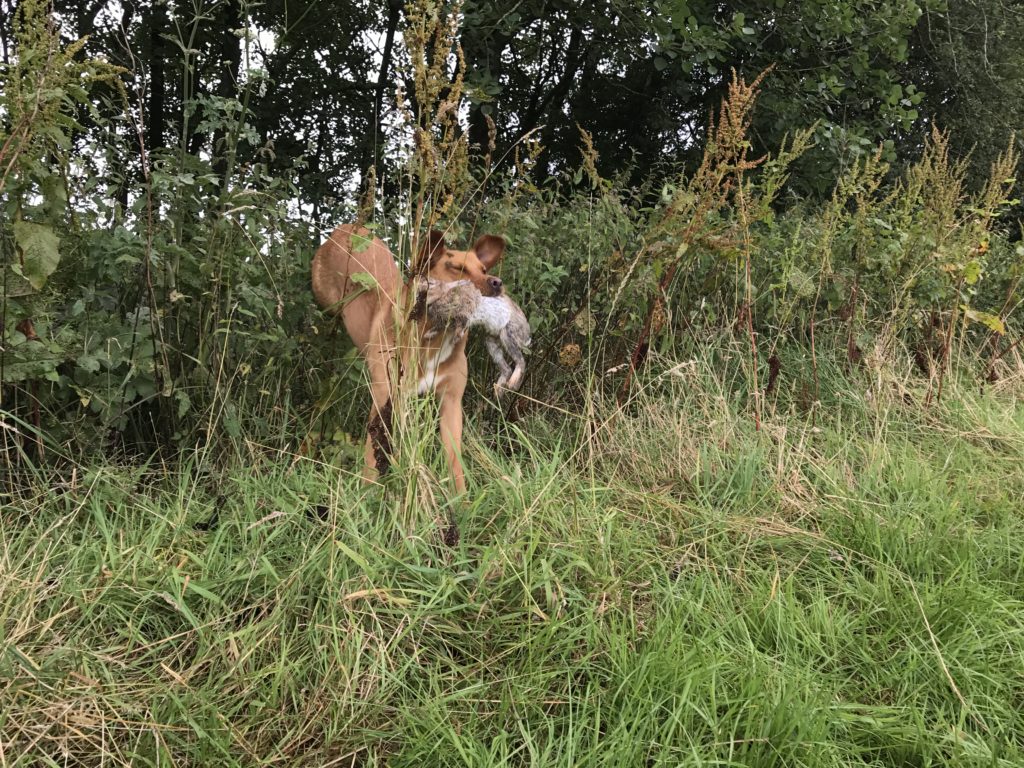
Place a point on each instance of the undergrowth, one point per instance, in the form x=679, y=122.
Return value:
x=152, y=303
x=649, y=584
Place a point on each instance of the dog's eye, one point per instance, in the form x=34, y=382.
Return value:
x=484, y=270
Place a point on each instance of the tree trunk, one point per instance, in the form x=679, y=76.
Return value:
x=86, y=17
x=372, y=154
x=483, y=52
x=5, y=19
x=574, y=57
x=230, y=66
x=155, y=114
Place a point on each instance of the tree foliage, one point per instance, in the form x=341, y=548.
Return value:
x=968, y=58
x=169, y=168
x=319, y=77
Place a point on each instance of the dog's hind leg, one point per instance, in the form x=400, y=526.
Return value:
x=378, y=443
x=378, y=452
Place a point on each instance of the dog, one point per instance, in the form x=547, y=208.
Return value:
x=372, y=315
x=459, y=306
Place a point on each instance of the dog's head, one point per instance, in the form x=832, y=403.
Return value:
x=445, y=265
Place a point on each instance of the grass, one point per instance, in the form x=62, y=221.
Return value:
x=677, y=589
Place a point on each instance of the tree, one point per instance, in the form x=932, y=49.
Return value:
x=968, y=59
x=641, y=77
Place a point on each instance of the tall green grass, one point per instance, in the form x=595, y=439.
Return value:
x=656, y=584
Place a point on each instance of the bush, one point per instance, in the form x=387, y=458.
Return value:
x=164, y=304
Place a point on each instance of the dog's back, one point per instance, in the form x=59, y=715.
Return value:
x=350, y=250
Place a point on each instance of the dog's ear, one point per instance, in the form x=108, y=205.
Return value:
x=431, y=250
x=489, y=249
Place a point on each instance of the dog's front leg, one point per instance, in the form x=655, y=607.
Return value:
x=451, y=434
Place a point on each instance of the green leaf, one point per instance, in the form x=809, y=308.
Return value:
x=360, y=242
x=184, y=402
x=31, y=362
x=204, y=592
x=801, y=283
x=38, y=246
x=992, y=322
x=15, y=282
x=88, y=363
x=353, y=555
x=57, y=135
x=232, y=425
x=972, y=272
x=363, y=280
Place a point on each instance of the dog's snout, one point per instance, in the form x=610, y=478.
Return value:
x=495, y=284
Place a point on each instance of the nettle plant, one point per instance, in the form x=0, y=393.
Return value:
x=156, y=296
x=45, y=87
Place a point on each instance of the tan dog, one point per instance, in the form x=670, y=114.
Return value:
x=372, y=317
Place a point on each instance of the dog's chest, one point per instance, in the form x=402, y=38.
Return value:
x=430, y=364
